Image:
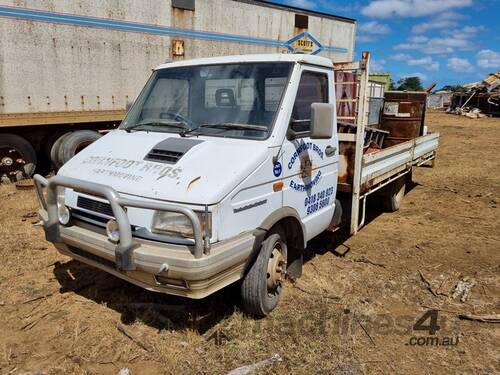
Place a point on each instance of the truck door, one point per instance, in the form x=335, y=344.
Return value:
x=310, y=166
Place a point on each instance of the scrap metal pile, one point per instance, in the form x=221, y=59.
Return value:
x=481, y=99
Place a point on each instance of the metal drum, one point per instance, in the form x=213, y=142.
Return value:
x=403, y=116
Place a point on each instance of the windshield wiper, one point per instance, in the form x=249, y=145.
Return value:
x=177, y=125
x=229, y=126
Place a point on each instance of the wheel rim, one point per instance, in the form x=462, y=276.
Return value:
x=12, y=163
x=276, y=269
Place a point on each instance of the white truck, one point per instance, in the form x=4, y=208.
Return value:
x=222, y=171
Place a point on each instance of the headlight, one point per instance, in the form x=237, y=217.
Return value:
x=63, y=213
x=112, y=231
x=178, y=225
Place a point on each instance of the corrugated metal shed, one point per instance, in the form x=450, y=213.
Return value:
x=93, y=55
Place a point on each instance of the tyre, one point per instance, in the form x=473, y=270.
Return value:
x=17, y=158
x=48, y=143
x=261, y=288
x=54, y=150
x=394, y=195
x=75, y=143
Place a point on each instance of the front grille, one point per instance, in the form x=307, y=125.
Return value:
x=85, y=216
x=93, y=205
x=165, y=156
x=95, y=220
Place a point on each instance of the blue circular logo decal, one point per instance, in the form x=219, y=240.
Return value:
x=277, y=169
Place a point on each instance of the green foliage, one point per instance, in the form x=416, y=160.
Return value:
x=392, y=85
x=452, y=88
x=410, y=84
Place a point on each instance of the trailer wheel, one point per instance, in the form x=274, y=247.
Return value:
x=262, y=285
x=54, y=150
x=17, y=158
x=75, y=143
x=394, y=194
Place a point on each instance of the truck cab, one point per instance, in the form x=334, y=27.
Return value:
x=222, y=171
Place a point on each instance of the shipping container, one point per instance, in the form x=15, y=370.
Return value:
x=69, y=69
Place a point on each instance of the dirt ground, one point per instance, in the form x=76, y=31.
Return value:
x=352, y=312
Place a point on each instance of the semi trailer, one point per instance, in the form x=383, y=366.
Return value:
x=223, y=170
x=69, y=70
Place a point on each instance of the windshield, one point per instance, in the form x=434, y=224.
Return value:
x=230, y=100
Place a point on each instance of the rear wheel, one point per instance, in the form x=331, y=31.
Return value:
x=262, y=285
x=17, y=158
x=394, y=194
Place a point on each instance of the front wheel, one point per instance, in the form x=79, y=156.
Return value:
x=262, y=285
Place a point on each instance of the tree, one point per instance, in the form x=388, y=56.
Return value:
x=410, y=84
x=452, y=88
x=392, y=85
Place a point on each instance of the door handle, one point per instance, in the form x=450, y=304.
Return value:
x=330, y=150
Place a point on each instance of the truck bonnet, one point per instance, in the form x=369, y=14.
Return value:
x=198, y=170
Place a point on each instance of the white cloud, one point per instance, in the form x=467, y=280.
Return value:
x=377, y=65
x=400, y=57
x=459, y=65
x=438, y=45
x=465, y=32
x=426, y=62
x=369, y=30
x=442, y=21
x=374, y=27
x=365, y=38
x=473, y=29
x=411, y=8
x=434, y=66
x=487, y=58
x=418, y=39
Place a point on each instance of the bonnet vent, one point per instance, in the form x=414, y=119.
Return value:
x=170, y=150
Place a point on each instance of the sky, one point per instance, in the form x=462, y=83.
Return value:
x=442, y=41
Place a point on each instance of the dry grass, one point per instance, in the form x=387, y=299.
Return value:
x=344, y=316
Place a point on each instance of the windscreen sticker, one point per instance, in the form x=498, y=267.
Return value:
x=125, y=168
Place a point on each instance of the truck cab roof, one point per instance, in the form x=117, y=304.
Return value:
x=273, y=57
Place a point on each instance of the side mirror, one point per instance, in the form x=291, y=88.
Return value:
x=322, y=120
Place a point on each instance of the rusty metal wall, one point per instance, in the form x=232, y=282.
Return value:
x=55, y=67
